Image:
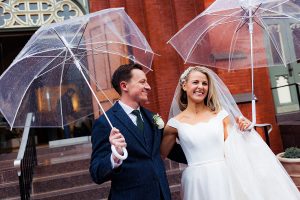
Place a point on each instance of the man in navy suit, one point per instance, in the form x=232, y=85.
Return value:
x=142, y=175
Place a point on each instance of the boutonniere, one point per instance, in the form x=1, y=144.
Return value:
x=158, y=121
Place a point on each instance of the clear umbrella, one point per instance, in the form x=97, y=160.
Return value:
x=63, y=72
x=237, y=30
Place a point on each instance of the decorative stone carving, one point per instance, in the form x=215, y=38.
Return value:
x=34, y=13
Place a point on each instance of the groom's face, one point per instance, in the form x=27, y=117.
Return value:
x=138, y=87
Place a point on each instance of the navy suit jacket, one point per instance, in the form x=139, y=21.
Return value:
x=142, y=175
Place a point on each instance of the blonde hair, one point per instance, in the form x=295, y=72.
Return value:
x=211, y=100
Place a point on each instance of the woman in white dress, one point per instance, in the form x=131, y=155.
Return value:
x=225, y=161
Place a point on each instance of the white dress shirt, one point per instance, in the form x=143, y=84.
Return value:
x=128, y=110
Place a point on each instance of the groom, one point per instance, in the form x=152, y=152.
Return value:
x=142, y=175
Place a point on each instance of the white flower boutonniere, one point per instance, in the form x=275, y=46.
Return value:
x=158, y=121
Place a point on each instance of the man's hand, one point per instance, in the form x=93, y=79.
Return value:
x=243, y=123
x=118, y=140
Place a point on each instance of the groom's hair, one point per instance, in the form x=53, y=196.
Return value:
x=123, y=73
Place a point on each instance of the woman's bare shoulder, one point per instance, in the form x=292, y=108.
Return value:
x=180, y=116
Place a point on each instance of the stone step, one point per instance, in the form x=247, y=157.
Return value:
x=8, y=156
x=8, y=175
x=174, y=176
x=62, y=165
x=175, y=192
x=6, y=165
x=61, y=181
x=9, y=190
x=44, y=151
x=77, y=178
x=49, y=164
x=44, y=187
x=90, y=192
x=86, y=192
x=13, y=198
x=62, y=173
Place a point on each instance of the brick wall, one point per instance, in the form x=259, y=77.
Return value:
x=159, y=20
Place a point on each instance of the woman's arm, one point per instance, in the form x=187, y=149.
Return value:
x=168, y=141
x=226, y=122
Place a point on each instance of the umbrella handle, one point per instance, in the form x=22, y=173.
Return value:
x=253, y=106
x=114, y=151
x=251, y=126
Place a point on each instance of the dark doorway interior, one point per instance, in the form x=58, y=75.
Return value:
x=10, y=45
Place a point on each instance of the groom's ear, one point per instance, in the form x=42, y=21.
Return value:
x=123, y=86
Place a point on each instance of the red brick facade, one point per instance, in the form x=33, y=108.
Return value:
x=159, y=20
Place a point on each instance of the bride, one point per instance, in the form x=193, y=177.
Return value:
x=224, y=161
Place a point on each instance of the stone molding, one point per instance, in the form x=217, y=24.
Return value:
x=35, y=13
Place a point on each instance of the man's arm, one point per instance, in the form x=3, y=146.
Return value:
x=100, y=165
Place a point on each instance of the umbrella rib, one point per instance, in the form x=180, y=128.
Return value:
x=140, y=35
x=206, y=30
x=60, y=102
x=77, y=62
x=16, y=61
x=54, y=66
x=247, y=19
x=26, y=92
x=233, y=42
x=78, y=33
x=279, y=4
x=272, y=39
x=114, y=42
x=97, y=85
x=280, y=13
x=197, y=17
x=220, y=15
x=81, y=56
x=34, y=54
x=118, y=54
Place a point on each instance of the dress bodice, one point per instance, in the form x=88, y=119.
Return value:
x=202, y=142
x=241, y=168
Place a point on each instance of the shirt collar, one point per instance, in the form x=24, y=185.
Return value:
x=127, y=108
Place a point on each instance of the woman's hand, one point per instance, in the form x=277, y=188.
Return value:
x=243, y=123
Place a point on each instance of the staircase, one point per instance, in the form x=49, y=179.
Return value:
x=63, y=174
x=9, y=182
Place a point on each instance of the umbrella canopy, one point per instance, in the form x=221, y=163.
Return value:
x=64, y=70
x=239, y=31
x=221, y=32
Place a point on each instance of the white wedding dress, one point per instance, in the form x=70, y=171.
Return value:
x=241, y=168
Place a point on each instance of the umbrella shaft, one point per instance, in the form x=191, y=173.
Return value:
x=77, y=64
x=87, y=82
x=250, y=25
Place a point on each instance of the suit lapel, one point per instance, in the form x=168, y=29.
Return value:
x=126, y=121
x=149, y=116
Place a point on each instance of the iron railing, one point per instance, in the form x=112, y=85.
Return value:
x=26, y=160
x=267, y=128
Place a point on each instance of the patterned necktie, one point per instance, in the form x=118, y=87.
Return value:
x=139, y=121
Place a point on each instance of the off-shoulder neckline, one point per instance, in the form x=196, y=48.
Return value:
x=200, y=122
